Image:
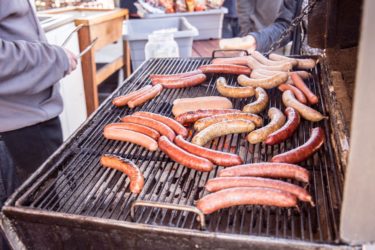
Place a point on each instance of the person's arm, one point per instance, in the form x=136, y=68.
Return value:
x=30, y=67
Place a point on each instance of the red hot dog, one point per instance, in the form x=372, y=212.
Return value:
x=299, y=83
x=225, y=69
x=185, y=82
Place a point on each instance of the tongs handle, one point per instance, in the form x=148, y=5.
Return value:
x=87, y=48
x=71, y=34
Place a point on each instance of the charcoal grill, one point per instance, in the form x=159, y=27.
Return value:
x=73, y=202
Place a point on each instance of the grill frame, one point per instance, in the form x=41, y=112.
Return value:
x=13, y=209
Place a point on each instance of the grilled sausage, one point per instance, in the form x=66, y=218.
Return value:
x=287, y=130
x=222, y=128
x=151, y=93
x=266, y=83
x=306, y=112
x=151, y=123
x=297, y=93
x=299, y=83
x=245, y=196
x=277, y=121
x=277, y=57
x=208, y=121
x=217, y=157
x=264, y=60
x=240, y=60
x=192, y=116
x=254, y=64
x=299, y=63
x=156, y=78
x=207, y=102
x=134, y=127
x=267, y=169
x=185, y=82
x=225, y=69
x=304, y=151
x=259, y=104
x=177, y=127
x=234, y=92
x=124, y=99
x=131, y=136
x=183, y=157
x=220, y=183
x=127, y=167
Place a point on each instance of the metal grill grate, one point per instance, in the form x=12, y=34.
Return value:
x=77, y=184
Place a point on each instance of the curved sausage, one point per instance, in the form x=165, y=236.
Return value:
x=183, y=157
x=239, y=60
x=266, y=83
x=259, y=104
x=299, y=83
x=220, y=183
x=222, y=128
x=127, y=167
x=208, y=121
x=217, y=157
x=297, y=93
x=245, y=196
x=277, y=121
x=277, y=57
x=151, y=93
x=158, y=126
x=306, y=112
x=299, y=63
x=134, y=127
x=124, y=99
x=156, y=78
x=267, y=169
x=287, y=130
x=183, y=105
x=264, y=60
x=254, y=64
x=192, y=116
x=225, y=69
x=185, y=82
x=177, y=127
x=304, y=151
x=234, y=92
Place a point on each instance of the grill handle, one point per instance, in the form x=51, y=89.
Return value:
x=228, y=50
x=168, y=206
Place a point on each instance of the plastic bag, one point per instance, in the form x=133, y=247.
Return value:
x=215, y=4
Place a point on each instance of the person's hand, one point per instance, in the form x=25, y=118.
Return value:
x=72, y=60
x=246, y=43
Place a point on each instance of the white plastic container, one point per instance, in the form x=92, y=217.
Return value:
x=161, y=45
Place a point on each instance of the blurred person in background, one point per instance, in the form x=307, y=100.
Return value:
x=230, y=21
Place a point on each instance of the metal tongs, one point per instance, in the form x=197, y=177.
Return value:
x=70, y=36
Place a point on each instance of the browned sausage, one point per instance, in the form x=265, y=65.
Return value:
x=302, y=152
x=156, y=78
x=255, y=64
x=134, y=127
x=193, y=116
x=297, y=93
x=217, y=157
x=177, y=127
x=287, y=130
x=267, y=169
x=266, y=83
x=298, y=62
x=183, y=157
x=184, y=82
x=264, y=60
x=124, y=99
x=245, y=196
x=127, y=167
x=225, y=69
x=158, y=126
x=240, y=60
x=139, y=100
x=259, y=104
x=300, y=84
x=231, y=91
x=219, y=183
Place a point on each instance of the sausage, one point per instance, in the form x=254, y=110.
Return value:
x=183, y=157
x=264, y=73
x=124, y=99
x=222, y=128
x=175, y=126
x=127, y=167
x=299, y=83
x=299, y=63
x=208, y=121
x=259, y=104
x=266, y=83
x=207, y=102
x=256, y=74
x=254, y=64
x=220, y=183
x=304, y=151
x=240, y=60
x=264, y=60
x=151, y=93
x=185, y=82
x=245, y=196
x=306, y=63
x=297, y=93
x=267, y=169
x=134, y=127
x=192, y=116
x=277, y=121
x=287, y=130
x=131, y=136
x=217, y=157
x=156, y=78
x=225, y=69
x=306, y=112
x=151, y=123
x=234, y=92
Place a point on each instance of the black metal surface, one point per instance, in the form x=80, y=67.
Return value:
x=78, y=185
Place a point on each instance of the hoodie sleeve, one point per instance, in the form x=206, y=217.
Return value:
x=30, y=67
